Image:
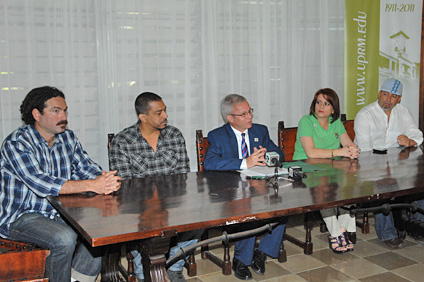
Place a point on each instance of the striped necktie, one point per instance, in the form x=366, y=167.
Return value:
x=244, y=152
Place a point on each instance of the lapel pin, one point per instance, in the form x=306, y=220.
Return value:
x=256, y=139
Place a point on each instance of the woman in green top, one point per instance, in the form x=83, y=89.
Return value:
x=321, y=134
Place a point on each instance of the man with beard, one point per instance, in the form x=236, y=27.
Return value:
x=41, y=159
x=386, y=123
x=383, y=124
x=149, y=147
x=152, y=147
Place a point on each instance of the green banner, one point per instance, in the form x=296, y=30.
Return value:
x=382, y=40
x=361, y=66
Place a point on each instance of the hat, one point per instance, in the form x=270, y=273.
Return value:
x=393, y=86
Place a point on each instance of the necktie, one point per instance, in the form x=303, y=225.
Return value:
x=244, y=153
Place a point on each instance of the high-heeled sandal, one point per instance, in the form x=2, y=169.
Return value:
x=335, y=244
x=346, y=242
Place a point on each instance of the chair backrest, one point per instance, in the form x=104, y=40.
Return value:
x=287, y=136
x=202, y=145
x=109, y=143
x=287, y=140
x=20, y=261
x=109, y=140
x=348, y=124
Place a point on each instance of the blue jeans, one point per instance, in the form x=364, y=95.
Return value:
x=61, y=240
x=385, y=225
x=178, y=266
x=417, y=215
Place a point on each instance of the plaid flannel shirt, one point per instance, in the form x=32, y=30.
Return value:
x=133, y=157
x=30, y=171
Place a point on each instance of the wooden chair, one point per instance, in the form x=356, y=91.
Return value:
x=111, y=262
x=129, y=273
x=202, y=145
x=349, y=126
x=286, y=142
x=22, y=261
x=287, y=136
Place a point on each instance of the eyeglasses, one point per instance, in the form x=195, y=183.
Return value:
x=250, y=112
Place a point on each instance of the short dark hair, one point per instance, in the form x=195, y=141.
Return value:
x=331, y=96
x=142, y=102
x=36, y=99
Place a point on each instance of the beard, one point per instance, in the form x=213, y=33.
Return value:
x=386, y=107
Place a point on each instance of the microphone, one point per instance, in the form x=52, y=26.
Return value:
x=273, y=159
x=296, y=172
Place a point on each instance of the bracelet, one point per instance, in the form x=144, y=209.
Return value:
x=332, y=155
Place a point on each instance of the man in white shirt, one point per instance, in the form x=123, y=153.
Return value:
x=386, y=123
x=383, y=124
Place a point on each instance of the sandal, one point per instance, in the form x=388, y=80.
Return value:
x=335, y=244
x=346, y=242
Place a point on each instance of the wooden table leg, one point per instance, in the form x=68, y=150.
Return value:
x=110, y=264
x=130, y=273
x=364, y=225
x=191, y=266
x=153, y=256
x=282, y=254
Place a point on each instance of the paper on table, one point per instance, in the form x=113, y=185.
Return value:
x=263, y=171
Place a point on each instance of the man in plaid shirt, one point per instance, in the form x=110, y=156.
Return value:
x=152, y=147
x=40, y=159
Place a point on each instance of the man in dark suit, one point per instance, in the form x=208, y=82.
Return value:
x=241, y=144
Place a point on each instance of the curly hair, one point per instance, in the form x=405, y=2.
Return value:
x=36, y=99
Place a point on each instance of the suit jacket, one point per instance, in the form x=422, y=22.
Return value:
x=222, y=153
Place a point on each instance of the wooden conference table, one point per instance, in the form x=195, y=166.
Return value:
x=157, y=208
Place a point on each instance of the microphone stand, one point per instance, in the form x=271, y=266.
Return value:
x=273, y=180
